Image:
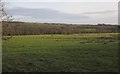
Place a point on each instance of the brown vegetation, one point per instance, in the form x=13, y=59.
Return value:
x=21, y=28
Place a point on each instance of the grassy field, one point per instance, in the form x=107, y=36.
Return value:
x=61, y=53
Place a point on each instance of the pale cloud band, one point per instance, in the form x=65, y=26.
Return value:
x=102, y=12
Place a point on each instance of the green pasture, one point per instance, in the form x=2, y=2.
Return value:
x=61, y=53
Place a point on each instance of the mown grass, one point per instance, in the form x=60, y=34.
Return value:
x=61, y=53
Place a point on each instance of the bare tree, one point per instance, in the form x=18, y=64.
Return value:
x=5, y=18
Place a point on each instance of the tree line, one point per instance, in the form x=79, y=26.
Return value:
x=22, y=28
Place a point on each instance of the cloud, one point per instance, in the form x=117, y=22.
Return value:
x=47, y=15
x=102, y=12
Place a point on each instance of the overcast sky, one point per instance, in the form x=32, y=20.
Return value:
x=64, y=12
x=61, y=0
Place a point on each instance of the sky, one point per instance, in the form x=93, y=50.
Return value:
x=74, y=11
x=61, y=0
